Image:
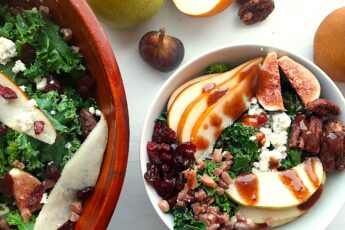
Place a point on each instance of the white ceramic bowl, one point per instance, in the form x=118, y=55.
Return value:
x=332, y=199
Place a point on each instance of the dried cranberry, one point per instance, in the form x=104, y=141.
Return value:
x=6, y=185
x=152, y=173
x=163, y=134
x=159, y=153
x=7, y=93
x=85, y=193
x=27, y=54
x=38, y=127
x=53, y=85
x=36, y=196
x=52, y=171
x=187, y=149
x=87, y=122
x=181, y=163
x=69, y=225
x=86, y=86
x=3, y=130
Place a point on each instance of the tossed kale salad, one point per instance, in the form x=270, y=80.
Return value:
x=50, y=71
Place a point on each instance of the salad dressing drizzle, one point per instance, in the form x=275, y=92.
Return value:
x=294, y=183
x=310, y=170
x=248, y=188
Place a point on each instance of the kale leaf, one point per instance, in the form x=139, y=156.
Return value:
x=14, y=218
x=236, y=139
x=226, y=204
x=184, y=219
x=163, y=118
x=293, y=104
x=292, y=159
x=217, y=68
x=53, y=55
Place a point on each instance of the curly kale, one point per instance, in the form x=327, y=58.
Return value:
x=184, y=219
x=217, y=68
x=236, y=139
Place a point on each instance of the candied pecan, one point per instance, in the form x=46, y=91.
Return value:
x=332, y=148
x=87, y=122
x=3, y=130
x=323, y=107
x=306, y=135
x=255, y=11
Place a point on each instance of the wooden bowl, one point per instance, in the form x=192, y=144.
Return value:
x=101, y=64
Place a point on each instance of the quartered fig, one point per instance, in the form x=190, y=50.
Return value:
x=161, y=51
x=268, y=91
x=302, y=80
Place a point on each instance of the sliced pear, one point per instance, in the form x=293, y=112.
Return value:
x=180, y=89
x=81, y=171
x=193, y=111
x=205, y=8
x=20, y=114
x=305, y=83
x=278, y=189
x=222, y=114
x=195, y=92
x=280, y=217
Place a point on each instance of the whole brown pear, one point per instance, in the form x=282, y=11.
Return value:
x=329, y=45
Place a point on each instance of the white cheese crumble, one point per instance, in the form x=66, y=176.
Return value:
x=98, y=113
x=68, y=145
x=7, y=50
x=252, y=138
x=18, y=67
x=92, y=110
x=52, y=112
x=276, y=135
x=41, y=84
x=51, y=82
x=44, y=199
x=255, y=110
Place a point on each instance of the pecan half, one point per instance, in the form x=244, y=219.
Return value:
x=255, y=11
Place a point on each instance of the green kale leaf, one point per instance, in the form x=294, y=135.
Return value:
x=293, y=104
x=163, y=118
x=226, y=204
x=236, y=140
x=14, y=218
x=217, y=68
x=292, y=159
x=184, y=219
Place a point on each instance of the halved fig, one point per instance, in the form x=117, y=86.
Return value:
x=302, y=80
x=268, y=91
x=24, y=186
x=21, y=114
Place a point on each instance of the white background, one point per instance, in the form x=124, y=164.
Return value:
x=291, y=26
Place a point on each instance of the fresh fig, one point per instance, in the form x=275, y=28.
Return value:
x=268, y=91
x=302, y=80
x=161, y=51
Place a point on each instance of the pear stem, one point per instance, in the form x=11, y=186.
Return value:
x=161, y=36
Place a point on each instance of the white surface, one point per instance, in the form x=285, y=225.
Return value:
x=291, y=26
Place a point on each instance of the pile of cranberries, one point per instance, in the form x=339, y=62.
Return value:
x=168, y=161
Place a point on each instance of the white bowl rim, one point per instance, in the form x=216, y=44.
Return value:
x=265, y=49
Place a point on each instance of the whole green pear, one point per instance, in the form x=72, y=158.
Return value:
x=124, y=14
